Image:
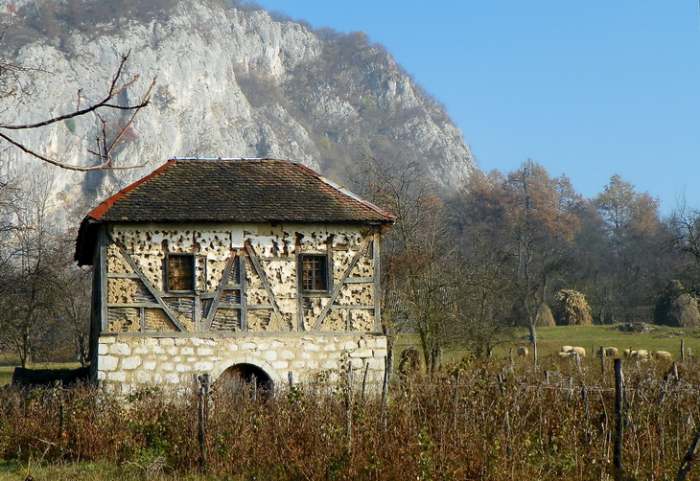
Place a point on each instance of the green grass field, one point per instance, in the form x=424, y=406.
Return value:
x=550, y=340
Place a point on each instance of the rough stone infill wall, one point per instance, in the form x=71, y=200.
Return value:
x=126, y=362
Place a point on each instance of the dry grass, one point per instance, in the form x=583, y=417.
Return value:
x=488, y=422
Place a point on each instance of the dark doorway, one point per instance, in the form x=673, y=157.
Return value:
x=242, y=378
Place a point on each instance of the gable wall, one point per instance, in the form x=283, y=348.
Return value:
x=276, y=248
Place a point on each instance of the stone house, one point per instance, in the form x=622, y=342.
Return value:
x=233, y=266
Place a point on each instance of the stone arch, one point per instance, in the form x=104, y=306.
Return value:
x=250, y=359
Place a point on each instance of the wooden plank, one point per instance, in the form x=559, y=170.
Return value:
x=352, y=306
x=121, y=275
x=150, y=288
x=244, y=310
x=263, y=278
x=137, y=305
x=377, y=275
x=259, y=307
x=300, y=298
x=219, y=290
x=102, y=242
x=336, y=291
x=359, y=280
x=142, y=317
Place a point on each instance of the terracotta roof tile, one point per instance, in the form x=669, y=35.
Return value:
x=240, y=191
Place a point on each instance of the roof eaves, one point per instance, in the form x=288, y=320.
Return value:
x=99, y=212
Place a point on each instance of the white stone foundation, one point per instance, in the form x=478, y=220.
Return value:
x=126, y=362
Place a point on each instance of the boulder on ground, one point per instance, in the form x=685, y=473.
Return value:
x=571, y=309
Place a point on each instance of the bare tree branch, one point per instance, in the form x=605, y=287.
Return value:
x=106, y=146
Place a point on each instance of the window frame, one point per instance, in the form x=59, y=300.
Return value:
x=328, y=277
x=193, y=279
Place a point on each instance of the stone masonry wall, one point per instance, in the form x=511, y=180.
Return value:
x=126, y=362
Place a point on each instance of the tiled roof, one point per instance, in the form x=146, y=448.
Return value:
x=241, y=191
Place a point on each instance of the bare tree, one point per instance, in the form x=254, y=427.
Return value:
x=109, y=137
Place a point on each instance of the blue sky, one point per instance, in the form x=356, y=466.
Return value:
x=589, y=89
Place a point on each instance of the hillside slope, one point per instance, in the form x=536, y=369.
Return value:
x=231, y=81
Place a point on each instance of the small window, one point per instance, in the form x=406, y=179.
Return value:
x=314, y=273
x=180, y=270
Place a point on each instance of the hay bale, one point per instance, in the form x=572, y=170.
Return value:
x=571, y=308
x=544, y=317
x=676, y=307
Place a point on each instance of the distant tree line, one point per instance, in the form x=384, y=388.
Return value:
x=465, y=267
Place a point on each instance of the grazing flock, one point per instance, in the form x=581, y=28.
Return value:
x=607, y=351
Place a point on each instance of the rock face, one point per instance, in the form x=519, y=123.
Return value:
x=231, y=81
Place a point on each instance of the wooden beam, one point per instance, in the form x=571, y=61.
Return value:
x=150, y=288
x=377, y=275
x=352, y=306
x=338, y=287
x=137, y=305
x=209, y=320
x=359, y=280
x=300, y=298
x=121, y=275
x=241, y=280
x=263, y=278
x=102, y=267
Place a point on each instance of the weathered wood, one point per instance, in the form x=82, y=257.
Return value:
x=209, y=320
x=689, y=458
x=121, y=275
x=263, y=278
x=202, y=418
x=147, y=284
x=352, y=306
x=336, y=290
x=244, y=301
x=300, y=298
x=142, y=318
x=136, y=305
x=619, y=420
x=102, y=267
x=377, y=274
x=359, y=280
x=259, y=307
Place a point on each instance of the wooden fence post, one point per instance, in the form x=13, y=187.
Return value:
x=689, y=458
x=682, y=349
x=348, y=408
x=619, y=428
x=202, y=418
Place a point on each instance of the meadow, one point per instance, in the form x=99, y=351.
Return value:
x=480, y=420
x=486, y=420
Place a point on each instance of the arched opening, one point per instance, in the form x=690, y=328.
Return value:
x=244, y=377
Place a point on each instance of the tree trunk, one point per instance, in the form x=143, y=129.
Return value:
x=533, y=342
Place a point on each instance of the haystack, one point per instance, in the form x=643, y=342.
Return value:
x=676, y=307
x=544, y=318
x=571, y=308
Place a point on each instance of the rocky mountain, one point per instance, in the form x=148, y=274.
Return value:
x=232, y=80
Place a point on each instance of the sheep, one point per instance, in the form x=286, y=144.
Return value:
x=581, y=351
x=610, y=351
x=572, y=351
x=522, y=351
x=662, y=356
x=642, y=354
x=639, y=354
